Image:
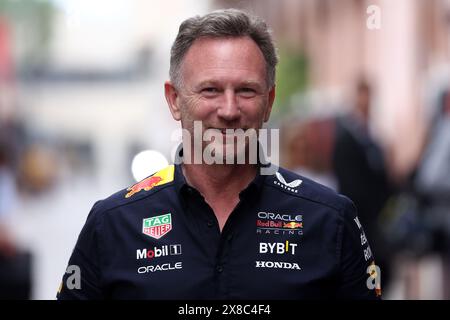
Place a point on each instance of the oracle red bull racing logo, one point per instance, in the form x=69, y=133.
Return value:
x=275, y=223
x=161, y=177
x=158, y=226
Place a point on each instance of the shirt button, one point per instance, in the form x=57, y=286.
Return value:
x=219, y=269
x=209, y=224
x=229, y=237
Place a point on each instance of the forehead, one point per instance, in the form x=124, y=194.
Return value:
x=224, y=57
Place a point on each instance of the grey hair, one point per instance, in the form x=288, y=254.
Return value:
x=218, y=24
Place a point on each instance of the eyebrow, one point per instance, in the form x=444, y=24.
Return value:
x=244, y=83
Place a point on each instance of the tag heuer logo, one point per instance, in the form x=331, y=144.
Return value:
x=158, y=226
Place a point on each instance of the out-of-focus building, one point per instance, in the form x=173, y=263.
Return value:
x=101, y=87
x=342, y=41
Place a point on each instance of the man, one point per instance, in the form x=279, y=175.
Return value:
x=221, y=230
x=360, y=169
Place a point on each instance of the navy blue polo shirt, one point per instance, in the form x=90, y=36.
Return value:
x=288, y=238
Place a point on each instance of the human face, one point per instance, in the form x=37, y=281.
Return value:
x=224, y=85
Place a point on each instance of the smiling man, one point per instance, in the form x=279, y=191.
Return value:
x=223, y=84
x=222, y=229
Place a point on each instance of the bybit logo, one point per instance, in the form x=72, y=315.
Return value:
x=277, y=247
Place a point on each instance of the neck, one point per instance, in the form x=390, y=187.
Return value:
x=219, y=180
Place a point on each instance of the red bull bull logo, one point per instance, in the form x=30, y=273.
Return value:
x=161, y=177
x=293, y=225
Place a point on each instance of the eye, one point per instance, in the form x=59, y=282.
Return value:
x=209, y=91
x=247, y=92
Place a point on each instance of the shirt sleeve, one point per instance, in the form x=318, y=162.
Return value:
x=81, y=281
x=359, y=275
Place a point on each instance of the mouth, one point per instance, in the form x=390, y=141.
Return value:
x=228, y=130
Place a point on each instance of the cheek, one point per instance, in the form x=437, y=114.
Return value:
x=188, y=105
x=255, y=110
x=196, y=108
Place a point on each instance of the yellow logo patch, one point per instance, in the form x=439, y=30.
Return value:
x=161, y=177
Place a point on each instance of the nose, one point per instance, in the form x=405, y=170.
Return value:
x=229, y=109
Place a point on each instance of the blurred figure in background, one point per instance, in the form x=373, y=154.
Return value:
x=15, y=264
x=7, y=202
x=432, y=186
x=340, y=153
x=360, y=171
x=309, y=147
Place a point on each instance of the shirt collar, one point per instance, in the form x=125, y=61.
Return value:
x=182, y=187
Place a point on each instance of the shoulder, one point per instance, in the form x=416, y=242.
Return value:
x=291, y=185
x=156, y=185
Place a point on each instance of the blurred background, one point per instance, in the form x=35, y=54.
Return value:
x=362, y=105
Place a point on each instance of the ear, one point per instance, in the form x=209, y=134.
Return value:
x=269, y=104
x=172, y=99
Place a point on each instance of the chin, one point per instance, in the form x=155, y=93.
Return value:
x=226, y=153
